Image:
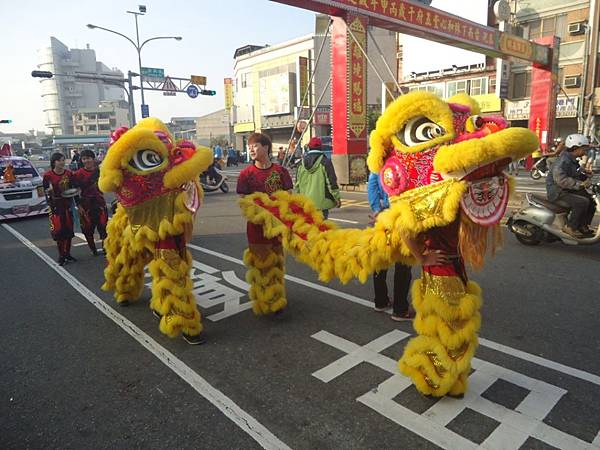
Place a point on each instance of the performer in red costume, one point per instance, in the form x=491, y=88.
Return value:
x=58, y=181
x=264, y=257
x=93, y=213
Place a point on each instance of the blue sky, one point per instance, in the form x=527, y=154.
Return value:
x=211, y=32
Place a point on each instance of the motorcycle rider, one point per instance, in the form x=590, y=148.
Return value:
x=567, y=182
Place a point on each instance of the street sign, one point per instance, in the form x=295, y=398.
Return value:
x=152, y=73
x=192, y=91
x=169, y=87
x=145, y=111
x=198, y=80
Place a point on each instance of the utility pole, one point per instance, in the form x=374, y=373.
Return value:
x=138, y=47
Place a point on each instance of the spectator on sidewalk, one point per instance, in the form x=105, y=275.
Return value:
x=316, y=178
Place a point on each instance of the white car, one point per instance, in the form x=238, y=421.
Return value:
x=24, y=196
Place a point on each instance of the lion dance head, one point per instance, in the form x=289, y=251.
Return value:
x=445, y=158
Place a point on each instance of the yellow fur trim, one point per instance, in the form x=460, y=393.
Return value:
x=439, y=358
x=266, y=278
x=340, y=253
x=190, y=169
x=464, y=99
x=514, y=143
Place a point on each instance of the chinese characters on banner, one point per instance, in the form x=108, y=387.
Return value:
x=357, y=96
x=424, y=17
x=302, y=79
x=228, y=89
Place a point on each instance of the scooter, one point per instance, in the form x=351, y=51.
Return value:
x=539, y=169
x=543, y=221
x=219, y=183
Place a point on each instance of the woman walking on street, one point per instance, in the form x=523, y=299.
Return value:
x=58, y=188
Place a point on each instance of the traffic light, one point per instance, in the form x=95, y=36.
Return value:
x=41, y=74
x=5, y=121
x=207, y=92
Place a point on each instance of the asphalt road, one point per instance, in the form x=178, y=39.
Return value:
x=77, y=371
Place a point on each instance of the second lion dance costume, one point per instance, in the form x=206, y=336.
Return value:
x=156, y=182
x=442, y=166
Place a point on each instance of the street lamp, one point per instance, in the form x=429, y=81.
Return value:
x=136, y=44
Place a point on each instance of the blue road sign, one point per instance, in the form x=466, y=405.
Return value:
x=145, y=111
x=192, y=91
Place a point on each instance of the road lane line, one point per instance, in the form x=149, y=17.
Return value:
x=229, y=408
x=343, y=220
x=529, y=357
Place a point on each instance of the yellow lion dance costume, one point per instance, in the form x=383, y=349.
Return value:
x=156, y=183
x=442, y=166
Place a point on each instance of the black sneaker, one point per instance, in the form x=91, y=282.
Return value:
x=156, y=314
x=194, y=340
x=95, y=252
x=62, y=261
x=124, y=303
x=70, y=258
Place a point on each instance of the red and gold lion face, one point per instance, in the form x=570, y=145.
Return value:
x=422, y=142
x=144, y=162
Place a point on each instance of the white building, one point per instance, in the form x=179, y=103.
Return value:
x=99, y=121
x=63, y=95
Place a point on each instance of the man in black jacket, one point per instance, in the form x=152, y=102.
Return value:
x=567, y=182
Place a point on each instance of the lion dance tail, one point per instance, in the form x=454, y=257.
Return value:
x=330, y=251
x=439, y=359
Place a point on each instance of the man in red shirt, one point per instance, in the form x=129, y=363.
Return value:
x=92, y=206
x=267, y=290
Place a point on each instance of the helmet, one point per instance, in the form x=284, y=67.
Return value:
x=315, y=143
x=576, y=140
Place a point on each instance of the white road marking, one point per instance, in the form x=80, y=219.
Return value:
x=343, y=220
x=516, y=426
x=309, y=284
x=529, y=357
x=229, y=409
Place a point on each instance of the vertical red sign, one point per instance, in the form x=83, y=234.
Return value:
x=543, y=95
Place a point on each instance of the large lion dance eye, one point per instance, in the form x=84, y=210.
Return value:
x=418, y=130
x=146, y=160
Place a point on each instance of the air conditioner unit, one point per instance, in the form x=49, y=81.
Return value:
x=572, y=82
x=576, y=28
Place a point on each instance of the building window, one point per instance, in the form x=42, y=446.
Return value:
x=478, y=86
x=245, y=80
x=492, y=85
x=548, y=26
x=434, y=88
x=521, y=84
x=456, y=87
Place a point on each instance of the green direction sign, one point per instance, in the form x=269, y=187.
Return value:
x=151, y=72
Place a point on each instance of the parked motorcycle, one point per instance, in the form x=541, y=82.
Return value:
x=540, y=169
x=543, y=221
x=214, y=180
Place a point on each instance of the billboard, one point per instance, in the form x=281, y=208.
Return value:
x=275, y=94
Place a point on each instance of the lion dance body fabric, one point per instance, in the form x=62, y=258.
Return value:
x=156, y=184
x=443, y=167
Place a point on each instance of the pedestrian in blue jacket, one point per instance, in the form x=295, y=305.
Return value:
x=378, y=200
